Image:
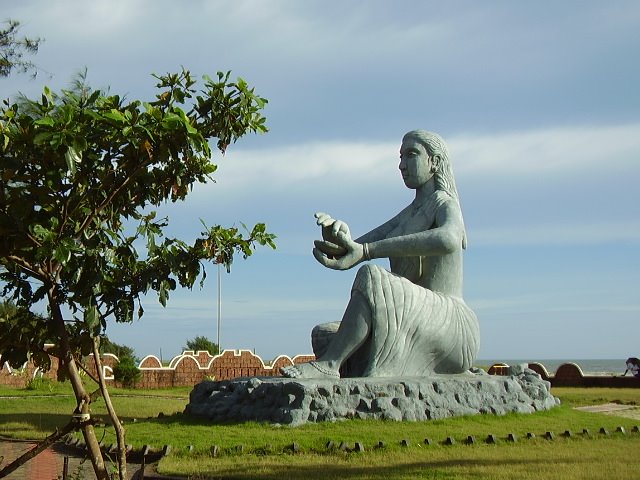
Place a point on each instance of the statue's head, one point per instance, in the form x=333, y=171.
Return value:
x=432, y=142
x=439, y=153
x=440, y=162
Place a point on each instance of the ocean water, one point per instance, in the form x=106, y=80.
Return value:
x=589, y=366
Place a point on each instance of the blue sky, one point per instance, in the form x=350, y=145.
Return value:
x=538, y=101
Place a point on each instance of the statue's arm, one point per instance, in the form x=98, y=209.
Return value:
x=381, y=231
x=445, y=238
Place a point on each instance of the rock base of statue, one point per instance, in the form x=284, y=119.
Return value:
x=298, y=401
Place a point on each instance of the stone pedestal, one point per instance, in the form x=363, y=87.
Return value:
x=297, y=401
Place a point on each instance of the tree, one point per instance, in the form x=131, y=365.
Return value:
x=82, y=171
x=20, y=339
x=13, y=49
x=120, y=351
x=126, y=372
x=202, y=343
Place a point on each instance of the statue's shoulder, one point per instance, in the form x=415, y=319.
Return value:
x=444, y=207
x=441, y=198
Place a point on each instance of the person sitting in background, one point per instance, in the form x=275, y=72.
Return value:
x=633, y=366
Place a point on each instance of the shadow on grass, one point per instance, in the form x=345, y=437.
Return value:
x=40, y=425
x=11, y=423
x=181, y=419
x=434, y=469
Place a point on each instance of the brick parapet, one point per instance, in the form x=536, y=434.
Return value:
x=186, y=369
x=191, y=367
x=571, y=375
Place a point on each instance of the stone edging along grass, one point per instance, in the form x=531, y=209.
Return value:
x=150, y=454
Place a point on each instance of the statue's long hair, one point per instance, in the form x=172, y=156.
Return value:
x=443, y=176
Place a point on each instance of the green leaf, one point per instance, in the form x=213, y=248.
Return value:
x=114, y=115
x=45, y=121
x=163, y=294
x=73, y=157
x=93, y=97
x=92, y=318
x=86, y=345
x=62, y=254
x=42, y=137
x=40, y=232
x=46, y=92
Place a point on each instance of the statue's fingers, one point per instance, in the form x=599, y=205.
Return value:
x=330, y=248
x=321, y=217
x=321, y=257
x=323, y=220
x=340, y=226
x=345, y=237
x=326, y=222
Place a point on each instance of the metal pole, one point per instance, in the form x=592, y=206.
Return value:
x=219, y=307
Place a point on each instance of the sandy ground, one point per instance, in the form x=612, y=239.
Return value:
x=627, y=411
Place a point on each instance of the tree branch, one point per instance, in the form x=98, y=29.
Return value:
x=89, y=374
x=117, y=425
x=109, y=199
x=22, y=263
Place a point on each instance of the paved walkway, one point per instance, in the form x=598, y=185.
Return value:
x=49, y=464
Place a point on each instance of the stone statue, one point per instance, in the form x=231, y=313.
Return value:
x=411, y=321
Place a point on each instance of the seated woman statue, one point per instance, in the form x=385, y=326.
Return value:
x=411, y=321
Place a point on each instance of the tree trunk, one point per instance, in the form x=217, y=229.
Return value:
x=82, y=397
x=120, y=432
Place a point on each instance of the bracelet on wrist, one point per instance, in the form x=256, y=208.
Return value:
x=365, y=251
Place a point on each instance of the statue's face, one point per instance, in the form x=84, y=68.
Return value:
x=415, y=164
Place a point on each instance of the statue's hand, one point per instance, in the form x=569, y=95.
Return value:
x=329, y=248
x=354, y=253
x=330, y=229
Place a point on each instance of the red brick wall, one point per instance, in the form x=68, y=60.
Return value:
x=191, y=368
x=20, y=377
x=184, y=370
x=571, y=375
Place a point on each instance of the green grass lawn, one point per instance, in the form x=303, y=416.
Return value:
x=266, y=449
x=532, y=460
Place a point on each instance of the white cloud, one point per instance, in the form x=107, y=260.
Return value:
x=601, y=231
x=340, y=163
x=558, y=151
x=360, y=182
x=554, y=151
